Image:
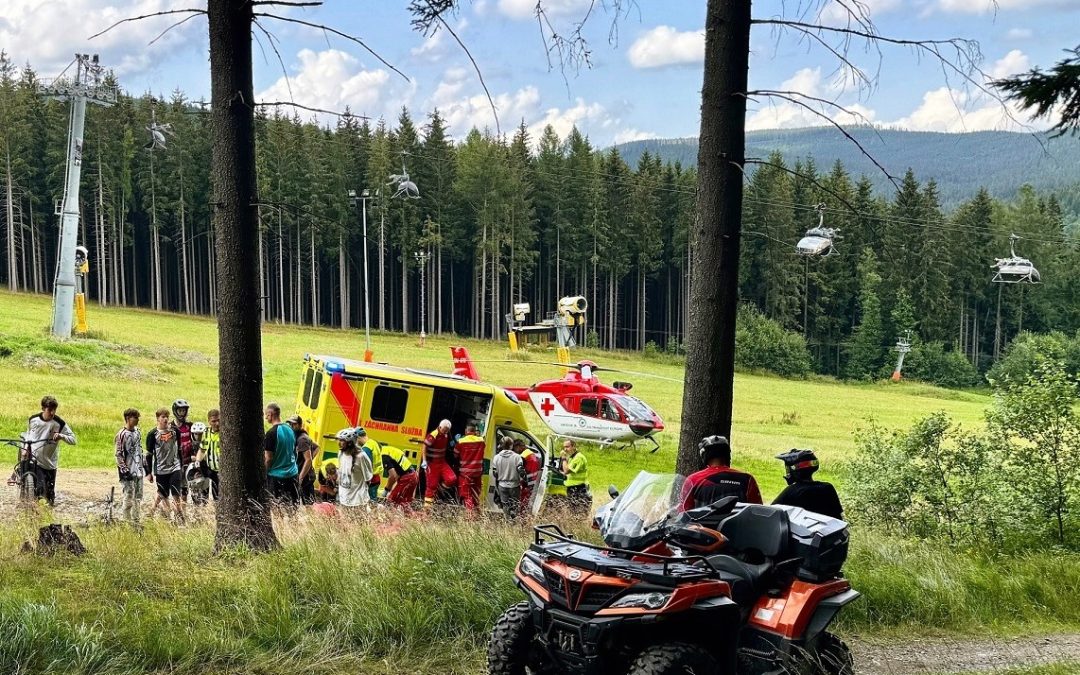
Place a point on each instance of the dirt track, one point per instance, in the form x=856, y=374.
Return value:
x=941, y=655
x=82, y=494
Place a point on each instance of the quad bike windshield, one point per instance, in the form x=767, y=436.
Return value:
x=636, y=518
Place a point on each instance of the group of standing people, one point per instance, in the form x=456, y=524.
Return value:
x=181, y=459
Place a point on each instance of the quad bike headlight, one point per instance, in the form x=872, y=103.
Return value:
x=653, y=600
x=532, y=568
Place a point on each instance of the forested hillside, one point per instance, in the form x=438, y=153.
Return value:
x=961, y=163
x=513, y=219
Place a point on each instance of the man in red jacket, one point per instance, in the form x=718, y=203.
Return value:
x=470, y=450
x=437, y=472
x=717, y=480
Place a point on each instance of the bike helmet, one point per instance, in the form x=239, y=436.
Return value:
x=178, y=404
x=798, y=464
x=713, y=444
x=347, y=435
x=198, y=428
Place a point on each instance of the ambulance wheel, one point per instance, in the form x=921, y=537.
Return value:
x=834, y=657
x=510, y=650
x=674, y=658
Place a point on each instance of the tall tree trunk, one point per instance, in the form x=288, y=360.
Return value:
x=9, y=203
x=314, y=280
x=155, y=245
x=184, y=267
x=243, y=515
x=710, y=352
x=343, y=282
x=103, y=257
x=382, y=270
x=120, y=253
x=281, y=270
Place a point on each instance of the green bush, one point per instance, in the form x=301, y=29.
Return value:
x=930, y=362
x=1013, y=485
x=1024, y=354
x=652, y=350
x=592, y=339
x=763, y=344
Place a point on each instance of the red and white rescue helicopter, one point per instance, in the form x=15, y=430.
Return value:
x=581, y=407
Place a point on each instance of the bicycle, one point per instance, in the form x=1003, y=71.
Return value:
x=26, y=475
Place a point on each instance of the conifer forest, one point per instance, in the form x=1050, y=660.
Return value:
x=520, y=217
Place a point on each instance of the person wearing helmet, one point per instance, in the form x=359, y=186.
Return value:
x=802, y=490
x=181, y=426
x=197, y=473
x=717, y=480
x=354, y=471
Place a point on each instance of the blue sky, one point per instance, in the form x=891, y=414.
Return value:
x=643, y=83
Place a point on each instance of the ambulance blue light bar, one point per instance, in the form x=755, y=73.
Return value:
x=335, y=367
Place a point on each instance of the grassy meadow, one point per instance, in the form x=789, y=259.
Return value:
x=147, y=359
x=160, y=602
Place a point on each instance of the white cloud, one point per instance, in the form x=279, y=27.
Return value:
x=526, y=9
x=951, y=110
x=48, y=33
x=632, y=134
x=464, y=107
x=665, y=46
x=1019, y=34
x=434, y=48
x=1012, y=63
x=835, y=13
x=332, y=79
x=994, y=6
x=778, y=113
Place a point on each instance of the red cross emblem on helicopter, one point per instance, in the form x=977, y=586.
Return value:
x=547, y=406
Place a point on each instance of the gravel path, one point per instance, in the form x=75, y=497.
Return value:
x=942, y=655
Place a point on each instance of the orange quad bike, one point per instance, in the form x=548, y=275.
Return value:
x=723, y=589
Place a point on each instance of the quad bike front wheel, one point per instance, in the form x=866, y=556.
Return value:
x=674, y=658
x=834, y=657
x=510, y=647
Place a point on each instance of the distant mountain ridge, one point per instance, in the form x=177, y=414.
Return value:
x=961, y=163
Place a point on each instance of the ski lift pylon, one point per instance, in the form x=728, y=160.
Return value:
x=1014, y=269
x=818, y=241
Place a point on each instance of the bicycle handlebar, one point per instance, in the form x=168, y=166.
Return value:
x=22, y=441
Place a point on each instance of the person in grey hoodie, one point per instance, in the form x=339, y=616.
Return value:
x=163, y=462
x=48, y=429
x=129, y=465
x=508, y=474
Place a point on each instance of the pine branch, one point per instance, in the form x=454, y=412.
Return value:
x=1044, y=91
x=175, y=25
x=148, y=16
x=327, y=29
x=271, y=104
x=479, y=75
x=270, y=38
x=287, y=3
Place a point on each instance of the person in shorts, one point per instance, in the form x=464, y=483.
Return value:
x=163, y=464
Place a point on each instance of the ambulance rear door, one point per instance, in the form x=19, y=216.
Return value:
x=395, y=413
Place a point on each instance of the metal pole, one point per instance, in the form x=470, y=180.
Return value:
x=64, y=288
x=367, y=293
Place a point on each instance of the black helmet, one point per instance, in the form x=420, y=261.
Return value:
x=798, y=464
x=178, y=404
x=714, y=444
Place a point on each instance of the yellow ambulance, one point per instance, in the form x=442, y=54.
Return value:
x=398, y=406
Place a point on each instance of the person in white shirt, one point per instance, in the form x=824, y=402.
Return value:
x=354, y=471
x=46, y=426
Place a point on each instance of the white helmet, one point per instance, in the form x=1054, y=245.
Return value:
x=198, y=428
x=347, y=435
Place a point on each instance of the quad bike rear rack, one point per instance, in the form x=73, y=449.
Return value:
x=543, y=532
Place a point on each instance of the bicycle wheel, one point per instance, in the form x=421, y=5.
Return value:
x=27, y=487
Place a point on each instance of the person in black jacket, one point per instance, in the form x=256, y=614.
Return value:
x=802, y=490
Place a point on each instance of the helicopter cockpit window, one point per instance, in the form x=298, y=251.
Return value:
x=589, y=407
x=635, y=408
x=609, y=412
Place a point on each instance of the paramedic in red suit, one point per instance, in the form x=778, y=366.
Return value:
x=470, y=450
x=437, y=473
x=717, y=480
